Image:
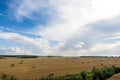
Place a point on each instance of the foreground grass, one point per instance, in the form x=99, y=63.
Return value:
x=95, y=74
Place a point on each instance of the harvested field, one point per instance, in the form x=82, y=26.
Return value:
x=115, y=77
x=32, y=68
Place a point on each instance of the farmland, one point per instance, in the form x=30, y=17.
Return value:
x=115, y=77
x=34, y=68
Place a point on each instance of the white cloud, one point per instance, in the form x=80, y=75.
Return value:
x=90, y=21
x=71, y=15
x=93, y=34
x=42, y=44
x=14, y=51
x=74, y=14
x=30, y=9
x=99, y=49
x=105, y=49
x=78, y=44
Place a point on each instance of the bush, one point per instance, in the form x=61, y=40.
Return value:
x=12, y=78
x=83, y=74
x=4, y=77
x=97, y=75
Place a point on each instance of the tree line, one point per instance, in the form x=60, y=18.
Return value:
x=18, y=56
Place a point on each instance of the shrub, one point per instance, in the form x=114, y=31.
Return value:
x=97, y=75
x=12, y=78
x=4, y=77
x=83, y=74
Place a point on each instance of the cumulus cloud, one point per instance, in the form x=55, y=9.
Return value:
x=75, y=14
x=82, y=24
x=94, y=34
x=78, y=45
x=31, y=9
x=13, y=51
x=105, y=49
x=41, y=43
x=71, y=15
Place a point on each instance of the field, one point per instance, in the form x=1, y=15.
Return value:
x=115, y=77
x=34, y=68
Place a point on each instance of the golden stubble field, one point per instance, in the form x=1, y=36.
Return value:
x=33, y=68
x=115, y=77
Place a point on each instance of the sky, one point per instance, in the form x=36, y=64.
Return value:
x=60, y=27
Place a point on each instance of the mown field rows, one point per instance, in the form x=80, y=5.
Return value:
x=29, y=69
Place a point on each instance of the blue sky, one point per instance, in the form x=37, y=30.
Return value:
x=60, y=27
